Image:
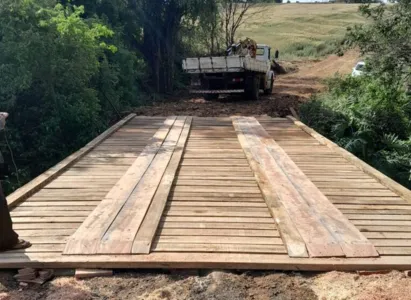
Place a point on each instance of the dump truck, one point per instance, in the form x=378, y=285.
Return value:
x=246, y=68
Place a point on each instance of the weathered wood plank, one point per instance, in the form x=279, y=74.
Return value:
x=86, y=239
x=119, y=237
x=289, y=233
x=352, y=242
x=143, y=240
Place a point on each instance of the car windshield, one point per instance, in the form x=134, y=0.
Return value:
x=359, y=67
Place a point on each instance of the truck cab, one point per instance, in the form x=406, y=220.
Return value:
x=263, y=52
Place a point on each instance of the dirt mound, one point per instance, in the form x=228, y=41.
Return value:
x=218, y=285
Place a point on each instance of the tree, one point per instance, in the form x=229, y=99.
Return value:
x=49, y=63
x=233, y=16
x=162, y=24
x=386, y=42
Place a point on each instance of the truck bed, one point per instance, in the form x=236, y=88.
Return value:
x=220, y=64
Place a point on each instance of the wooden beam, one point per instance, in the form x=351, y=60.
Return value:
x=91, y=273
x=42, y=180
x=145, y=235
x=119, y=237
x=86, y=239
x=352, y=242
x=323, y=227
x=201, y=260
x=289, y=233
x=385, y=180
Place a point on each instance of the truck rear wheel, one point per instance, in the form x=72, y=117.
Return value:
x=269, y=91
x=252, y=87
x=210, y=97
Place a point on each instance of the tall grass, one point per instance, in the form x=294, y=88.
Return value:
x=301, y=30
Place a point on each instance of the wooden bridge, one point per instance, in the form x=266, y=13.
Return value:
x=188, y=192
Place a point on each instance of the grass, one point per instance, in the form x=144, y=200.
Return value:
x=301, y=30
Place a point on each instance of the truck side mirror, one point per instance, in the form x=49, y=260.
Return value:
x=277, y=54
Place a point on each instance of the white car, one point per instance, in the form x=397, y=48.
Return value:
x=358, y=70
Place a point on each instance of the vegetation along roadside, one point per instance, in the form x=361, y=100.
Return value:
x=370, y=115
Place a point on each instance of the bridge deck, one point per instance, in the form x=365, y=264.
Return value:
x=216, y=214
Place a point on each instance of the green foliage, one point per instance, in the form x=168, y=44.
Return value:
x=367, y=118
x=312, y=50
x=371, y=115
x=69, y=68
x=58, y=72
x=386, y=41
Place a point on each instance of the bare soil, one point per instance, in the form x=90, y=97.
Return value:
x=305, y=78
x=216, y=285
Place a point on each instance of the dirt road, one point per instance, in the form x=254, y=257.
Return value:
x=290, y=90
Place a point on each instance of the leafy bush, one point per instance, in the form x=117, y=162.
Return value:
x=371, y=115
x=59, y=79
x=368, y=119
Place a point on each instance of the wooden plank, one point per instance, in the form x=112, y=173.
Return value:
x=352, y=242
x=57, y=204
x=44, y=213
x=47, y=232
x=216, y=199
x=42, y=248
x=216, y=248
x=204, y=182
x=218, y=232
x=385, y=180
x=39, y=182
x=312, y=232
x=204, y=212
x=87, y=238
x=388, y=235
x=289, y=233
x=17, y=220
x=119, y=237
x=227, y=204
x=52, y=226
x=45, y=207
x=224, y=189
x=200, y=224
x=143, y=239
x=247, y=240
x=322, y=212
x=91, y=273
x=403, y=251
x=219, y=219
x=377, y=228
x=247, y=261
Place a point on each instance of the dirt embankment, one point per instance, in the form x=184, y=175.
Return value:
x=305, y=78
x=218, y=285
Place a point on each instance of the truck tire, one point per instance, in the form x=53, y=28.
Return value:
x=210, y=97
x=252, y=87
x=269, y=91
